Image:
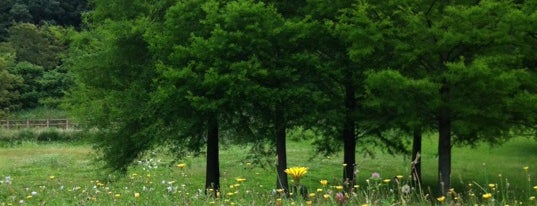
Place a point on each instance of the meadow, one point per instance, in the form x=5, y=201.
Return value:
x=65, y=173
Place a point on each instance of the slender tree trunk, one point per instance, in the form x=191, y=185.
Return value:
x=349, y=138
x=281, y=153
x=415, y=169
x=444, y=144
x=212, y=177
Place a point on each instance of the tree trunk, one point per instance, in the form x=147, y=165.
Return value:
x=415, y=169
x=444, y=144
x=212, y=178
x=349, y=138
x=281, y=153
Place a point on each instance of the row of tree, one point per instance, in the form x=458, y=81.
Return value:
x=189, y=73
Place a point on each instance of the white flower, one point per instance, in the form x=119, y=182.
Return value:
x=405, y=189
x=34, y=193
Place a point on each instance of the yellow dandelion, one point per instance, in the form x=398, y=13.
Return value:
x=136, y=195
x=365, y=204
x=240, y=180
x=526, y=168
x=279, y=201
x=399, y=177
x=535, y=187
x=296, y=173
x=309, y=203
x=492, y=186
x=319, y=190
x=324, y=182
x=52, y=177
x=339, y=188
x=356, y=186
x=386, y=181
x=230, y=194
x=181, y=165
x=326, y=196
x=487, y=196
x=344, y=164
x=279, y=190
x=312, y=195
x=441, y=198
x=532, y=198
x=117, y=195
x=29, y=197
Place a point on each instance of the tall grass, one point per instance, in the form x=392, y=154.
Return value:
x=64, y=174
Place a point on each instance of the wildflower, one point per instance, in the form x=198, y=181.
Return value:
x=136, y=195
x=279, y=201
x=240, y=180
x=386, y=181
x=441, y=199
x=344, y=164
x=535, y=187
x=492, y=186
x=326, y=196
x=117, y=195
x=532, y=198
x=309, y=203
x=312, y=195
x=279, y=190
x=399, y=177
x=296, y=173
x=487, y=196
x=340, y=198
x=28, y=197
x=339, y=188
x=365, y=204
x=356, y=186
x=34, y=193
x=181, y=165
x=230, y=194
x=375, y=175
x=405, y=189
x=319, y=190
x=324, y=182
x=526, y=168
x=51, y=177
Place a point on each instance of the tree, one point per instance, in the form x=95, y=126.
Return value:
x=8, y=81
x=461, y=54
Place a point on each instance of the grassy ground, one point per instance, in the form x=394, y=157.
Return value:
x=63, y=174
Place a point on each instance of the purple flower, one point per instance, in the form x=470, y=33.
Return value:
x=375, y=175
x=340, y=198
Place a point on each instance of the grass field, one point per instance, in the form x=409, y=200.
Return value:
x=64, y=174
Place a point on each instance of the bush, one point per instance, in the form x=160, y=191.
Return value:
x=49, y=135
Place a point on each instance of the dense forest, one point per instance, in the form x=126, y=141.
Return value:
x=359, y=73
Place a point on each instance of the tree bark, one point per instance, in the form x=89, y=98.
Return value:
x=212, y=177
x=444, y=144
x=415, y=169
x=281, y=153
x=349, y=138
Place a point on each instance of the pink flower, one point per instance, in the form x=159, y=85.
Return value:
x=375, y=175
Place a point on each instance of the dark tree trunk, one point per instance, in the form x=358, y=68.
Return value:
x=349, y=138
x=444, y=144
x=415, y=169
x=281, y=153
x=212, y=178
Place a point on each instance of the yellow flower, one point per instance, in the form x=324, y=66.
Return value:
x=399, y=177
x=487, y=196
x=181, y=166
x=492, y=186
x=319, y=190
x=52, y=177
x=526, y=168
x=326, y=196
x=339, y=188
x=312, y=195
x=309, y=202
x=279, y=201
x=136, y=195
x=230, y=194
x=365, y=204
x=296, y=173
x=324, y=182
x=535, y=187
x=279, y=190
x=441, y=198
x=240, y=180
x=117, y=195
x=532, y=198
x=387, y=181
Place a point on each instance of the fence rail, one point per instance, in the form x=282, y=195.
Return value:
x=38, y=123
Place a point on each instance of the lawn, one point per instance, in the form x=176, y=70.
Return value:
x=65, y=174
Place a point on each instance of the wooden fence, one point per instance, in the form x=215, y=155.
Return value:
x=38, y=123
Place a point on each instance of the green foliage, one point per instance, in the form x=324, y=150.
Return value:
x=8, y=81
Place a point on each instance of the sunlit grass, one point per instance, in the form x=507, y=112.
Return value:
x=63, y=174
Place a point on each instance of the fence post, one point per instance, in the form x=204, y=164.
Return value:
x=7, y=123
x=27, y=123
x=66, y=124
x=48, y=123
